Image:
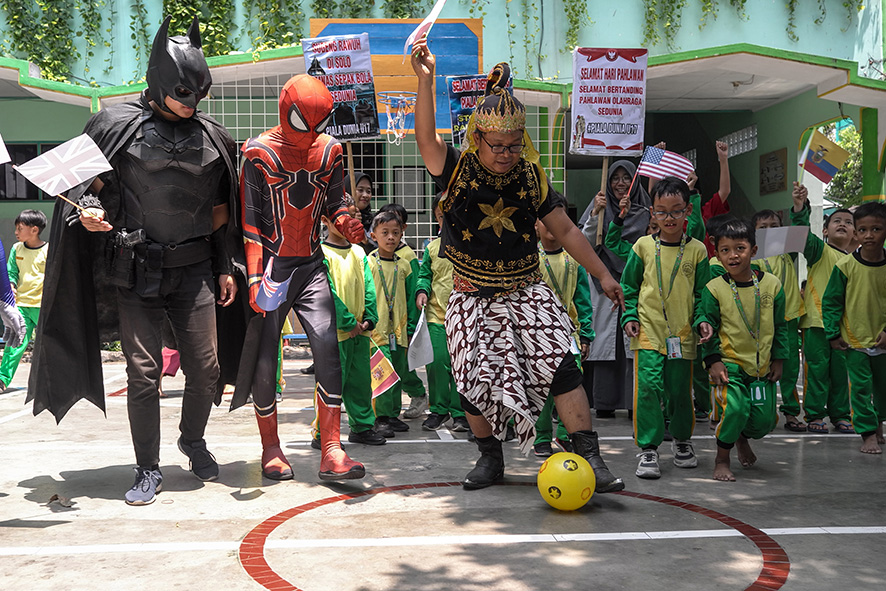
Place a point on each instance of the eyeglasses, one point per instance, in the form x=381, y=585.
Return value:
x=513, y=149
x=663, y=215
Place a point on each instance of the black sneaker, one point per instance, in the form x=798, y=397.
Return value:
x=367, y=437
x=543, y=449
x=202, y=463
x=148, y=483
x=565, y=445
x=383, y=427
x=309, y=370
x=434, y=421
x=460, y=425
x=510, y=434
x=315, y=443
x=398, y=425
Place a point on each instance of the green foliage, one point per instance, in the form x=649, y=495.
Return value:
x=354, y=9
x=792, y=20
x=852, y=7
x=141, y=43
x=708, y=10
x=273, y=23
x=846, y=188
x=216, y=22
x=666, y=15
x=405, y=8
x=323, y=8
x=92, y=15
x=576, y=14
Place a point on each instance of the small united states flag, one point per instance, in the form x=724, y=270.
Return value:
x=66, y=166
x=658, y=163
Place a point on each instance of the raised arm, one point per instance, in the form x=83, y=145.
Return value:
x=725, y=184
x=430, y=144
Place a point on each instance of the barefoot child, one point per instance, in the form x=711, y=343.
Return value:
x=745, y=310
x=854, y=312
x=825, y=383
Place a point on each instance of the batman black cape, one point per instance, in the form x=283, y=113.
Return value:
x=66, y=362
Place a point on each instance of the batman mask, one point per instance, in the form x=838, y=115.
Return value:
x=177, y=68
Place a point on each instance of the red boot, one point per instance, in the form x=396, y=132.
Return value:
x=273, y=462
x=335, y=465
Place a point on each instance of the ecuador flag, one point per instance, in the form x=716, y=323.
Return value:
x=822, y=157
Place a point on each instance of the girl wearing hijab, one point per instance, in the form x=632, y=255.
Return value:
x=362, y=195
x=610, y=352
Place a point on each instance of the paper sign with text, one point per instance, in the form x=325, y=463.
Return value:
x=608, y=101
x=464, y=92
x=344, y=65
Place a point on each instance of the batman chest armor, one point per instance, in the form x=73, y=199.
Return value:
x=170, y=177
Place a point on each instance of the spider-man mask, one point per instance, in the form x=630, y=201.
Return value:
x=305, y=110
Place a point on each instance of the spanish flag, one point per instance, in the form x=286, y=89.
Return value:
x=822, y=157
x=383, y=375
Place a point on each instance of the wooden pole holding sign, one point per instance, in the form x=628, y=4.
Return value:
x=350, y=153
x=601, y=215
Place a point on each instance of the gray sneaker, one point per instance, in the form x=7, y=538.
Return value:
x=648, y=466
x=684, y=454
x=202, y=463
x=147, y=484
x=417, y=406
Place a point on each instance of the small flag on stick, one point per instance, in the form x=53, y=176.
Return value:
x=822, y=158
x=66, y=166
x=424, y=28
x=271, y=293
x=4, y=153
x=658, y=163
x=382, y=372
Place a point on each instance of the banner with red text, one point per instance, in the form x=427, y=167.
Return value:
x=464, y=92
x=343, y=63
x=608, y=101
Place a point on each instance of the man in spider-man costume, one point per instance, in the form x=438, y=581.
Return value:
x=291, y=175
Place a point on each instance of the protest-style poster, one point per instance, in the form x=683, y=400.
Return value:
x=464, y=92
x=608, y=101
x=344, y=65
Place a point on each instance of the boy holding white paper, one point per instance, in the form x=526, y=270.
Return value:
x=662, y=283
x=432, y=296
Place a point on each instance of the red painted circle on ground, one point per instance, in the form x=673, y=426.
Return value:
x=773, y=575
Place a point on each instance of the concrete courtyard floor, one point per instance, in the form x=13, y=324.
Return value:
x=810, y=515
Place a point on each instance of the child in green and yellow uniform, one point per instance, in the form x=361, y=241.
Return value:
x=353, y=293
x=432, y=296
x=26, y=266
x=825, y=382
x=410, y=382
x=782, y=266
x=395, y=296
x=569, y=282
x=662, y=283
x=743, y=312
x=854, y=313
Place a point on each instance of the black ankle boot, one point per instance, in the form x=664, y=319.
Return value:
x=489, y=468
x=587, y=446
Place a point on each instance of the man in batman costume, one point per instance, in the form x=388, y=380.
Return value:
x=164, y=219
x=291, y=175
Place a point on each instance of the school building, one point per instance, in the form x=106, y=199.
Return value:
x=758, y=74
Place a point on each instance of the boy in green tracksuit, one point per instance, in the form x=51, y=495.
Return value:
x=743, y=313
x=410, y=382
x=782, y=266
x=432, y=295
x=854, y=313
x=662, y=283
x=353, y=293
x=569, y=282
x=825, y=383
x=395, y=295
x=26, y=265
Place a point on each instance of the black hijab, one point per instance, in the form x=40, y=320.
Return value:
x=366, y=215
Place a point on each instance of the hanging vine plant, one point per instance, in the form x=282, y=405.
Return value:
x=576, y=15
x=405, y=8
x=792, y=21
x=354, y=9
x=112, y=19
x=273, y=23
x=138, y=32
x=92, y=16
x=19, y=25
x=708, y=11
x=216, y=22
x=852, y=7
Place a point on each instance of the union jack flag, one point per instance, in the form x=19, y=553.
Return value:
x=271, y=293
x=66, y=166
x=4, y=154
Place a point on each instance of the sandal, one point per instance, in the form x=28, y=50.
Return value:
x=844, y=426
x=794, y=426
x=816, y=426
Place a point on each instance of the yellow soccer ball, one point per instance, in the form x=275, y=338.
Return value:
x=566, y=481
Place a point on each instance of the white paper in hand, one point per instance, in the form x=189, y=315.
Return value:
x=775, y=241
x=421, y=352
x=4, y=153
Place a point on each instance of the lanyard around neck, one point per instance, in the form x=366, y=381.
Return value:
x=553, y=279
x=754, y=334
x=674, y=272
x=392, y=293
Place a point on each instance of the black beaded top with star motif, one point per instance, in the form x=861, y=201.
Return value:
x=489, y=224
